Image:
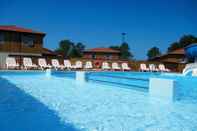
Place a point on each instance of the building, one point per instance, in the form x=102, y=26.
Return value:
x=101, y=54
x=22, y=42
x=176, y=56
x=172, y=59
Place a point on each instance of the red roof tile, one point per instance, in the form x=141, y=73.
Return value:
x=179, y=51
x=48, y=51
x=18, y=29
x=103, y=50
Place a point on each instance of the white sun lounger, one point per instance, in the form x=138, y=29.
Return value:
x=115, y=66
x=153, y=68
x=11, y=63
x=27, y=62
x=125, y=67
x=163, y=68
x=143, y=67
x=88, y=65
x=78, y=65
x=43, y=64
x=67, y=64
x=55, y=64
x=105, y=66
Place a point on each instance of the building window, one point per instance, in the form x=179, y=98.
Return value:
x=1, y=38
x=109, y=56
x=28, y=41
x=93, y=56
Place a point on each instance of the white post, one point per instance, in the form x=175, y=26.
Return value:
x=194, y=72
x=164, y=89
x=80, y=77
x=48, y=72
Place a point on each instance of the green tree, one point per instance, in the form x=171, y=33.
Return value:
x=80, y=47
x=124, y=50
x=68, y=49
x=153, y=52
x=115, y=47
x=183, y=42
x=174, y=46
x=187, y=40
x=65, y=47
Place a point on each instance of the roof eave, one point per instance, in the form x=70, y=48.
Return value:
x=100, y=52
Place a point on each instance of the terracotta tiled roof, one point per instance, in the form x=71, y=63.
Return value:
x=47, y=51
x=179, y=51
x=103, y=50
x=173, y=60
x=18, y=29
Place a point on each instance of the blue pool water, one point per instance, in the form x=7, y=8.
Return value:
x=31, y=101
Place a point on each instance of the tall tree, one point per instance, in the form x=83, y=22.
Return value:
x=183, y=42
x=65, y=48
x=80, y=47
x=124, y=50
x=174, y=46
x=153, y=52
x=187, y=40
x=69, y=49
x=115, y=47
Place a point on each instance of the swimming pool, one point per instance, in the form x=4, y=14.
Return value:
x=109, y=101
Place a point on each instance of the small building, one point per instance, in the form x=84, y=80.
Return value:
x=22, y=42
x=101, y=54
x=172, y=59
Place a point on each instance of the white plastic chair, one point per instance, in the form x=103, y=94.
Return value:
x=125, y=66
x=143, y=67
x=27, y=62
x=152, y=67
x=163, y=68
x=43, y=64
x=88, y=65
x=78, y=65
x=55, y=63
x=115, y=66
x=11, y=62
x=105, y=66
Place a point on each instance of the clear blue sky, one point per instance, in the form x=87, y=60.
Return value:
x=99, y=23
